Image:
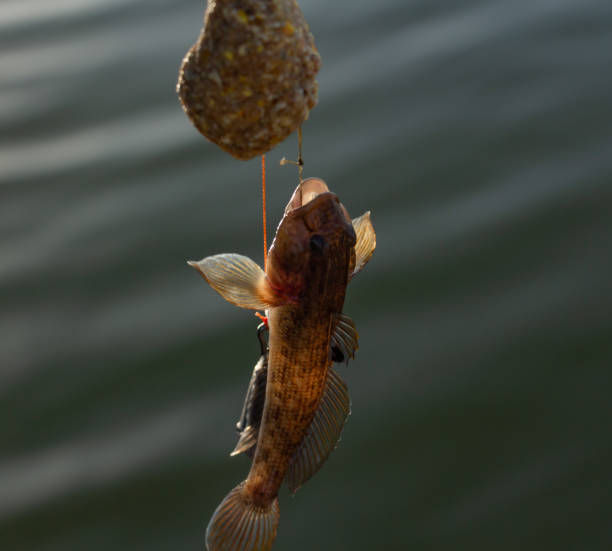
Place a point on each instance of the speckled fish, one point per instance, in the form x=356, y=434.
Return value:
x=315, y=252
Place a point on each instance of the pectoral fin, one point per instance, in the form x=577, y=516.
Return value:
x=344, y=340
x=323, y=433
x=237, y=279
x=366, y=241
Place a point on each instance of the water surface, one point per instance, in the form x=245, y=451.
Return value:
x=477, y=132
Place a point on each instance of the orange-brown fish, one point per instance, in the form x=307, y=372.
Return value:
x=315, y=252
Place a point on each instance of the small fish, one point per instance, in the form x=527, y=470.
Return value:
x=315, y=252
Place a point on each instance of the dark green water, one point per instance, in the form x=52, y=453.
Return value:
x=479, y=134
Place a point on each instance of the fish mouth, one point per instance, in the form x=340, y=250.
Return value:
x=305, y=193
x=318, y=208
x=311, y=194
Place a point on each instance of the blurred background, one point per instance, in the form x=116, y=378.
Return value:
x=479, y=134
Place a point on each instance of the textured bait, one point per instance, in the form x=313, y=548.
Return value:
x=249, y=80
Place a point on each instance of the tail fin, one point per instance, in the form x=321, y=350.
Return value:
x=240, y=525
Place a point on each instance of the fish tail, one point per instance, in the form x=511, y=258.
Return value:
x=238, y=524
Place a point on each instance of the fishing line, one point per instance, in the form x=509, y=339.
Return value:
x=263, y=201
x=300, y=161
x=262, y=317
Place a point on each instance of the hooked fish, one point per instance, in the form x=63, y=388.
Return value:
x=315, y=252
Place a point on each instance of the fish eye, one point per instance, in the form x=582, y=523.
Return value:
x=317, y=243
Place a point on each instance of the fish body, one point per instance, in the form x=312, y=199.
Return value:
x=310, y=258
x=314, y=253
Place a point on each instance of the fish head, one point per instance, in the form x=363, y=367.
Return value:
x=315, y=236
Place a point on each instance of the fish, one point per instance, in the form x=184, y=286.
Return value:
x=317, y=249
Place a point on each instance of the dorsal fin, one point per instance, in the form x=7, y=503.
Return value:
x=323, y=433
x=366, y=241
x=344, y=340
